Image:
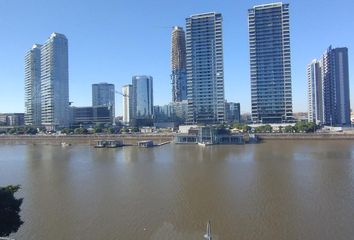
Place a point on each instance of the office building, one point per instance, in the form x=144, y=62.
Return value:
x=328, y=88
x=33, y=86
x=232, y=112
x=205, y=68
x=12, y=119
x=164, y=113
x=91, y=116
x=178, y=58
x=143, y=106
x=269, y=39
x=127, y=92
x=103, y=94
x=55, y=82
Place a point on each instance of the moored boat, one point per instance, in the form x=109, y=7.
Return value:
x=100, y=144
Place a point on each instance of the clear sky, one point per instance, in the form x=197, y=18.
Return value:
x=112, y=40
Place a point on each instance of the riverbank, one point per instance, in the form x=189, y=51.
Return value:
x=127, y=139
x=132, y=139
x=305, y=136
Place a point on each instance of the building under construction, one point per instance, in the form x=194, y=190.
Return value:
x=178, y=58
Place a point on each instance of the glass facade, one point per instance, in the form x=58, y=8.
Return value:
x=103, y=94
x=33, y=86
x=232, y=112
x=205, y=68
x=55, y=82
x=269, y=38
x=328, y=88
x=143, y=107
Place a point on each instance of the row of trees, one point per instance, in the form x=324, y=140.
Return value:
x=20, y=130
x=100, y=128
x=299, y=127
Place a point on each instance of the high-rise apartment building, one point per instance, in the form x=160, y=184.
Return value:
x=269, y=39
x=127, y=91
x=143, y=105
x=205, y=68
x=178, y=58
x=328, y=88
x=103, y=94
x=33, y=86
x=315, y=91
x=55, y=82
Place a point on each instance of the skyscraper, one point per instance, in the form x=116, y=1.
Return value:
x=33, y=86
x=178, y=58
x=55, y=82
x=328, y=88
x=103, y=94
x=315, y=92
x=205, y=68
x=269, y=39
x=127, y=91
x=143, y=105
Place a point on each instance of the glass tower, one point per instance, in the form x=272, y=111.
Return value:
x=143, y=106
x=55, y=82
x=33, y=86
x=205, y=68
x=103, y=94
x=178, y=58
x=269, y=39
x=328, y=88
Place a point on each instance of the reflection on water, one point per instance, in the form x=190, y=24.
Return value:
x=273, y=190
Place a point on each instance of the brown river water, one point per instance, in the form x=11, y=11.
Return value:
x=267, y=191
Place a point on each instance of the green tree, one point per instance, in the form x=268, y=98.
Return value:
x=109, y=130
x=80, y=130
x=30, y=130
x=66, y=130
x=10, y=220
x=264, y=129
x=124, y=130
x=222, y=130
x=12, y=131
x=289, y=129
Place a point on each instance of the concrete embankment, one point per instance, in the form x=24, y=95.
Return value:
x=305, y=136
x=127, y=139
x=158, y=139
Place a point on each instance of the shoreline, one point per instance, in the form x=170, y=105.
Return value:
x=132, y=139
x=83, y=139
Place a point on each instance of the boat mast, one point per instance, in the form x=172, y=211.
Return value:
x=207, y=235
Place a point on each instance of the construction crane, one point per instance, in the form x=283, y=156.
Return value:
x=123, y=94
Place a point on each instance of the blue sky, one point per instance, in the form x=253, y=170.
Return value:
x=110, y=41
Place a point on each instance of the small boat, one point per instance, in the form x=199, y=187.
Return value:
x=146, y=143
x=100, y=144
x=64, y=144
x=113, y=143
x=203, y=144
x=207, y=235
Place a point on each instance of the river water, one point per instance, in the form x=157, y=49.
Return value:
x=273, y=190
